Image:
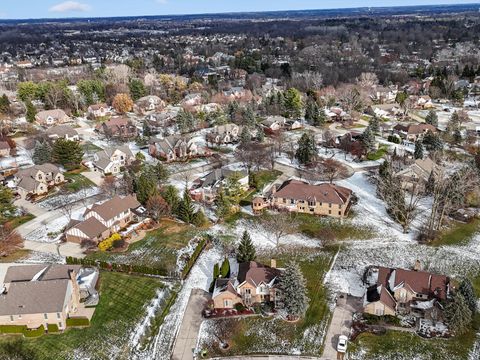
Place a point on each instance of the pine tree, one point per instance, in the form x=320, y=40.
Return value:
x=42, y=153
x=199, y=218
x=225, y=269
x=458, y=314
x=186, y=212
x=418, y=153
x=466, y=289
x=312, y=112
x=260, y=134
x=293, y=290
x=432, y=118
x=146, y=187
x=368, y=139
x=245, y=136
x=4, y=104
x=384, y=169
x=7, y=208
x=322, y=118
x=31, y=111
x=307, y=149
x=249, y=117
x=170, y=194
x=432, y=142
x=375, y=125
x=146, y=130
x=67, y=153
x=224, y=206
x=246, y=250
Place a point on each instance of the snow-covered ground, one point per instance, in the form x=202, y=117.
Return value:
x=54, y=202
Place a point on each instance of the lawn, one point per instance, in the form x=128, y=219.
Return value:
x=158, y=249
x=88, y=147
x=77, y=181
x=397, y=345
x=15, y=256
x=20, y=220
x=377, y=155
x=122, y=306
x=331, y=229
x=261, y=179
x=458, y=234
x=255, y=335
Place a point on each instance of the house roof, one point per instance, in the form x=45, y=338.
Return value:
x=113, y=207
x=57, y=114
x=20, y=273
x=91, y=227
x=62, y=130
x=4, y=145
x=34, y=297
x=96, y=107
x=415, y=129
x=255, y=273
x=224, y=285
x=105, y=155
x=325, y=193
x=219, y=175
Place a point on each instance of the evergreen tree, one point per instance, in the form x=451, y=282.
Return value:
x=312, y=112
x=146, y=130
x=293, y=103
x=418, y=153
x=430, y=185
x=4, y=104
x=260, y=134
x=375, y=125
x=384, y=169
x=322, y=118
x=249, y=116
x=146, y=187
x=31, y=111
x=432, y=118
x=42, y=153
x=246, y=250
x=224, y=206
x=368, y=139
x=245, y=136
x=466, y=289
x=186, y=211
x=432, y=142
x=458, y=314
x=7, y=208
x=294, y=290
x=170, y=194
x=199, y=218
x=225, y=269
x=137, y=89
x=307, y=149
x=67, y=153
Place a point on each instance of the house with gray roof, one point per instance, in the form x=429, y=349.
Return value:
x=205, y=189
x=112, y=160
x=174, y=148
x=62, y=132
x=38, y=179
x=43, y=295
x=51, y=117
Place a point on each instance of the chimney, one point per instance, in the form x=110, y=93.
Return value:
x=274, y=189
x=418, y=265
x=273, y=263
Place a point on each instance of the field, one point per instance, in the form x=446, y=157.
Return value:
x=159, y=248
x=77, y=182
x=458, y=234
x=123, y=301
x=254, y=335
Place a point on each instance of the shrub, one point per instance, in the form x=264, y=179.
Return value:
x=117, y=244
x=225, y=269
x=52, y=328
x=239, y=307
x=193, y=258
x=34, y=332
x=108, y=243
x=78, y=321
x=394, y=139
x=12, y=329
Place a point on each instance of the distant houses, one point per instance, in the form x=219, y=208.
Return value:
x=52, y=117
x=119, y=128
x=206, y=189
x=175, y=148
x=224, y=134
x=98, y=111
x=63, y=132
x=413, y=132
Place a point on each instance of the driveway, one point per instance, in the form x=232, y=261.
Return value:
x=192, y=319
x=340, y=324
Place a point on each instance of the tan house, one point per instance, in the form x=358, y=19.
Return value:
x=418, y=173
x=99, y=111
x=255, y=284
x=36, y=295
x=102, y=220
x=205, y=189
x=413, y=132
x=149, y=104
x=112, y=160
x=118, y=127
x=174, y=148
x=224, y=134
x=403, y=291
x=51, y=117
x=298, y=196
x=63, y=132
x=38, y=179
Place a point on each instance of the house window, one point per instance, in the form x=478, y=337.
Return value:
x=284, y=201
x=311, y=203
x=45, y=316
x=60, y=325
x=58, y=315
x=11, y=318
x=339, y=213
x=20, y=316
x=330, y=205
x=292, y=201
x=329, y=212
x=226, y=303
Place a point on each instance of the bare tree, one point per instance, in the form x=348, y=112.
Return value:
x=277, y=225
x=109, y=186
x=10, y=240
x=65, y=204
x=157, y=207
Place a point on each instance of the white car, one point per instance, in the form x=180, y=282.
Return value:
x=342, y=344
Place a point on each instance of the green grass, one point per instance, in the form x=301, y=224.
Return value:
x=397, y=345
x=88, y=147
x=377, y=155
x=77, y=182
x=331, y=229
x=458, y=234
x=20, y=220
x=121, y=307
x=249, y=335
x=158, y=249
x=264, y=177
x=15, y=256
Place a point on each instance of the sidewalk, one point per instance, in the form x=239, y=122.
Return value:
x=192, y=319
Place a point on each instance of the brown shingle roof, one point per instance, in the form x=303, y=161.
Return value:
x=113, y=207
x=325, y=193
x=91, y=227
x=255, y=273
x=27, y=272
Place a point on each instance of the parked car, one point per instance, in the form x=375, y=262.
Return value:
x=342, y=344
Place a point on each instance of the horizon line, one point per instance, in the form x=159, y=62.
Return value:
x=238, y=12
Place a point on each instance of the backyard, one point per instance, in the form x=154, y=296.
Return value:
x=122, y=306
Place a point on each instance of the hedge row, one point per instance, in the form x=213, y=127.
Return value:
x=125, y=268
x=78, y=321
x=52, y=328
x=191, y=261
x=22, y=329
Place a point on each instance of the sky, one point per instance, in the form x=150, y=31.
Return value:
x=28, y=9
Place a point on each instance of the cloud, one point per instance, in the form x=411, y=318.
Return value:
x=70, y=6
x=163, y=2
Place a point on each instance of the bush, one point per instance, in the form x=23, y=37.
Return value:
x=394, y=139
x=52, y=328
x=108, y=243
x=117, y=244
x=193, y=258
x=78, y=321
x=34, y=332
x=12, y=329
x=225, y=269
x=239, y=307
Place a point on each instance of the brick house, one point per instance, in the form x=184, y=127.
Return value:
x=118, y=127
x=38, y=179
x=298, y=196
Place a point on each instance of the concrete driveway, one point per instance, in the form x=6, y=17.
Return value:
x=340, y=324
x=192, y=319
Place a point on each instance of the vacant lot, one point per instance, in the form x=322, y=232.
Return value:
x=122, y=306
